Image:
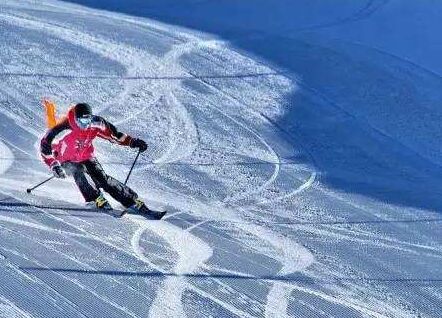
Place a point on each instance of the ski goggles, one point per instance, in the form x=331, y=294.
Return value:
x=84, y=121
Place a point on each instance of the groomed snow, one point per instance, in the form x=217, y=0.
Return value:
x=300, y=164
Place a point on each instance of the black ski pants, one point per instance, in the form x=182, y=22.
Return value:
x=90, y=176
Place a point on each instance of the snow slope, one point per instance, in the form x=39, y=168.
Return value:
x=299, y=159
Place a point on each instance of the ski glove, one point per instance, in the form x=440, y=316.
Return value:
x=58, y=171
x=139, y=143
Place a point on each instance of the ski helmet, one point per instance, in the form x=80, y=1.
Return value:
x=83, y=115
x=82, y=110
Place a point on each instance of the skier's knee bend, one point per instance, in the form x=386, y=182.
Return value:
x=102, y=181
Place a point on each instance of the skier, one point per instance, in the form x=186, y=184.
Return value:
x=67, y=149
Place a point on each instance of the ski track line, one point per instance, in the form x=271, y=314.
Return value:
x=307, y=185
x=134, y=56
x=37, y=226
x=212, y=267
x=365, y=237
x=277, y=165
x=137, y=113
x=274, y=239
x=36, y=201
x=171, y=285
x=260, y=115
x=304, y=186
x=14, y=117
x=253, y=248
x=196, y=225
x=373, y=211
x=170, y=61
x=105, y=300
x=17, y=269
x=284, y=289
x=188, y=49
x=121, y=98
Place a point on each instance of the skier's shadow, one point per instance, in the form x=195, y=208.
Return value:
x=26, y=208
x=297, y=278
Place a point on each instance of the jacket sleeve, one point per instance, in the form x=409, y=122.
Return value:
x=111, y=133
x=49, y=157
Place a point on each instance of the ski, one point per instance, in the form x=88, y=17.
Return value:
x=113, y=212
x=147, y=213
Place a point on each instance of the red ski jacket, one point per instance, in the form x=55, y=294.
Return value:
x=67, y=142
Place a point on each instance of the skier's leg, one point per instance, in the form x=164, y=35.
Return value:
x=78, y=171
x=119, y=191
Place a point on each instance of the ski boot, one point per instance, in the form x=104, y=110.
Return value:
x=102, y=203
x=140, y=208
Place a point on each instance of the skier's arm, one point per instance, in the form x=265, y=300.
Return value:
x=46, y=142
x=111, y=133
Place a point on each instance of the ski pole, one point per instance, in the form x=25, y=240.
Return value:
x=132, y=168
x=40, y=184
